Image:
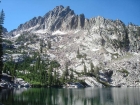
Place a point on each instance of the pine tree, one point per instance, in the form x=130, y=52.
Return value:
x=63, y=79
x=38, y=62
x=85, y=69
x=126, y=39
x=97, y=72
x=15, y=67
x=55, y=78
x=78, y=53
x=49, y=44
x=4, y=68
x=41, y=46
x=66, y=73
x=33, y=71
x=2, y=15
x=91, y=67
x=71, y=76
x=41, y=75
x=50, y=75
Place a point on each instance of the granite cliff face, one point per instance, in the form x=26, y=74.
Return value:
x=59, y=18
x=108, y=44
x=111, y=33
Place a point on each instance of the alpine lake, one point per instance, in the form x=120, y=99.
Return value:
x=67, y=96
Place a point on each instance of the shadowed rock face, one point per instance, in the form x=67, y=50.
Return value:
x=109, y=73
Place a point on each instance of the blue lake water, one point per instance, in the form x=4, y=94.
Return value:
x=86, y=96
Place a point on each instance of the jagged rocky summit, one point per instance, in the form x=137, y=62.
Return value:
x=64, y=19
x=107, y=43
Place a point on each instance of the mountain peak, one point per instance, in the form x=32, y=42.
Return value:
x=63, y=18
x=61, y=11
x=58, y=8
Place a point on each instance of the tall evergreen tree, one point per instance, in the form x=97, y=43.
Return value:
x=66, y=73
x=85, y=69
x=38, y=62
x=126, y=39
x=49, y=44
x=4, y=68
x=41, y=46
x=2, y=15
x=91, y=67
x=55, y=78
x=78, y=53
x=50, y=77
x=63, y=79
x=71, y=76
x=96, y=72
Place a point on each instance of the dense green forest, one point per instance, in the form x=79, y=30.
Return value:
x=37, y=71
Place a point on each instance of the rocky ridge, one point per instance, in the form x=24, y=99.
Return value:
x=112, y=33
x=108, y=44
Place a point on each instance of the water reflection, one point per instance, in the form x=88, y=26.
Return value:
x=87, y=96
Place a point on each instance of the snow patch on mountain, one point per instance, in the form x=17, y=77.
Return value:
x=58, y=32
x=16, y=36
x=41, y=31
x=76, y=31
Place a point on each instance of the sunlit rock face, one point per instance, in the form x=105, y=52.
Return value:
x=109, y=44
x=113, y=34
